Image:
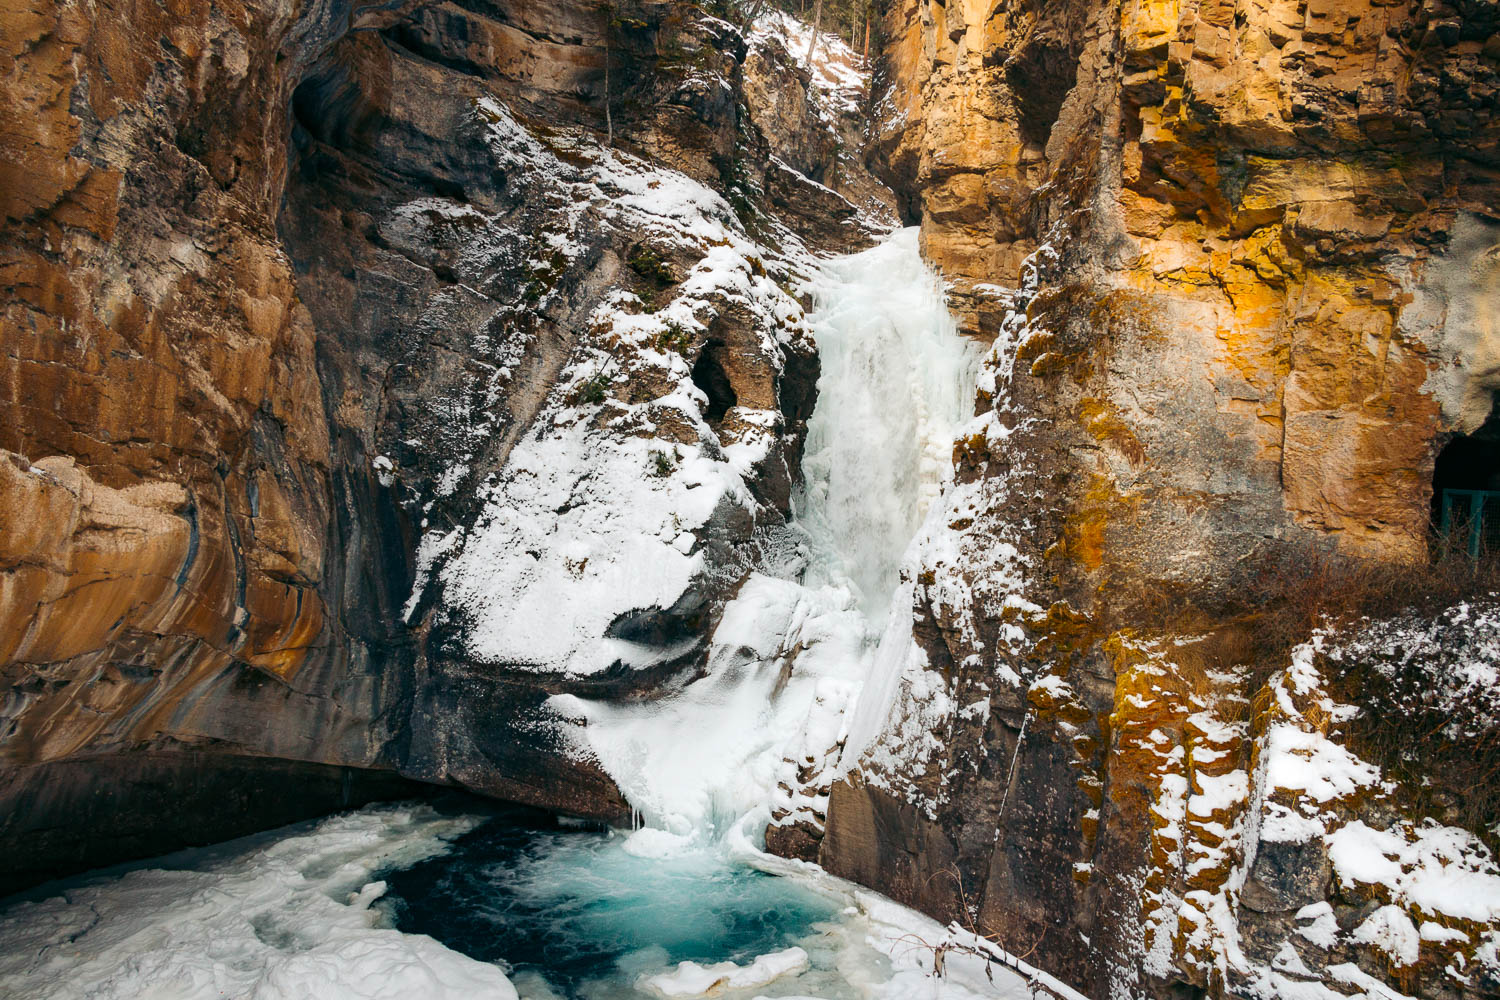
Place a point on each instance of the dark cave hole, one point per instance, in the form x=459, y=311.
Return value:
x=709, y=375
x=331, y=106
x=309, y=106
x=1041, y=75
x=1466, y=488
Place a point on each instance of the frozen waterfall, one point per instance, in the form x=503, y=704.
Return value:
x=791, y=654
x=897, y=379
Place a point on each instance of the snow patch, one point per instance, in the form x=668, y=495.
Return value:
x=690, y=979
x=838, y=73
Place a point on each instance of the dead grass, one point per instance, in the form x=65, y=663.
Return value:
x=1279, y=601
x=1454, y=779
x=1297, y=595
x=1205, y=668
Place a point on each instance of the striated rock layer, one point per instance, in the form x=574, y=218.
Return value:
x=1236, y=266
x=285, y=286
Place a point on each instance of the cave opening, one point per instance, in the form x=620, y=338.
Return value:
x=328, y=106
x=1466, y=489
x=710, y=376
x=1040, y=76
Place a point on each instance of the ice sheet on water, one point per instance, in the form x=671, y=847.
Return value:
x=279, y=917
x=690, y=979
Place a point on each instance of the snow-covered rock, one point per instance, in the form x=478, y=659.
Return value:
x=286, y=917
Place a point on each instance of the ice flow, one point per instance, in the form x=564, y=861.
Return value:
x=793, y=650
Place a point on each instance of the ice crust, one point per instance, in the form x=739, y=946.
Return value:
x=286, y=916
x=691, y=979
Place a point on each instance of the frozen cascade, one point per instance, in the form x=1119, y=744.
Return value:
x=792, y=652
x=897, y=378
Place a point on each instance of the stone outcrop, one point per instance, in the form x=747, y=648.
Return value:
x=1288, y=192
x=1232, y=262
x=284, y=288
x=166, y=563
x=815, y=130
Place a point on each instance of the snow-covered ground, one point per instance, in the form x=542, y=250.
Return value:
x=1445, y=666
x=1440, y=884
x=692, y=979
x=283, y=916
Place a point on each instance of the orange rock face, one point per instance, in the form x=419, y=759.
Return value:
x=150, y=323
x=1235, y=261
x=169, y=538
x=1276, y=195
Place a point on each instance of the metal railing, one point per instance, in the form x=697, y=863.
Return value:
x=1475, y=512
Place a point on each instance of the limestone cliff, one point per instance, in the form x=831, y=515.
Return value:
x=1235, y=262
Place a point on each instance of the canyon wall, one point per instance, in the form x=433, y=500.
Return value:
x=373, y=373
x=285, y=287
x=1235, y=262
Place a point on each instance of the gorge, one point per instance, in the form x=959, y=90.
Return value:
x=1037, y=474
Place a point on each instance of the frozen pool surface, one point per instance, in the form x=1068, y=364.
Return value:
x=408, y=902
x=578, y=905
x=576, y=914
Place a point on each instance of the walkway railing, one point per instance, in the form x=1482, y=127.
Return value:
x=1476, y=512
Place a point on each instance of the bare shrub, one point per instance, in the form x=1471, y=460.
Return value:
x=1449, y=763
x=1446, y=754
